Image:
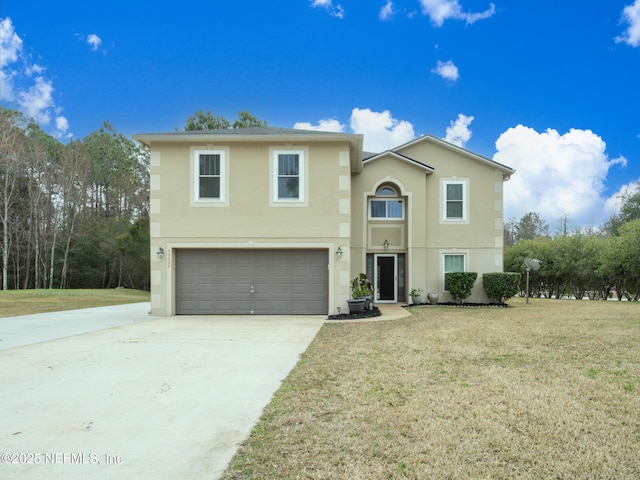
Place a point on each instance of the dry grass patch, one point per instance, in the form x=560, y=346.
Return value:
x=26, y=302
x=548, y=390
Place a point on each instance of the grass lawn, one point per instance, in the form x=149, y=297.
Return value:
x=549, y=390
x=25, y=302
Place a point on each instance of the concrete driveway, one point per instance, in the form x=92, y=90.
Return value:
x=112, y=393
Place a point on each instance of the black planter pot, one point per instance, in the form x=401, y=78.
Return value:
x=356, y=305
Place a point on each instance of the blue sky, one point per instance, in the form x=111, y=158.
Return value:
x=550, y=88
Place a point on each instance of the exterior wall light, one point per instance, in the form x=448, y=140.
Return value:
x=339, y=252
x=386, y=244
x=160, y=253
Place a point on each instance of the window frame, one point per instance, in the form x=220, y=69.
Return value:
x=445, y=201
x=300, y=199
x=386, y=199
x=221, y=199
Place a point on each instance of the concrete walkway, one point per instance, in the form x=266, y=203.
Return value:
x=389, y=311
x=111, y=393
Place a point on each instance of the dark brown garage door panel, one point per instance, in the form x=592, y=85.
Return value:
x=247, y=282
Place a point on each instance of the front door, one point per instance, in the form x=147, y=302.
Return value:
x=386, y=276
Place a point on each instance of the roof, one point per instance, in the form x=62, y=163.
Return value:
x=248, y=131
x=278, y=134
x=259, y=134
x=255, y=133
x=429, y=170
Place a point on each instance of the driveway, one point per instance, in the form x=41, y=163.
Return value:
x=112, y=393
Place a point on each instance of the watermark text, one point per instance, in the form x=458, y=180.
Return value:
x=60, y=458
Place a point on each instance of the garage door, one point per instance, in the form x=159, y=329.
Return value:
x=245, y=282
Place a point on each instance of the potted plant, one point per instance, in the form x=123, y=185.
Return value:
x=361, y=293
x=356, y=305
x=416, y=296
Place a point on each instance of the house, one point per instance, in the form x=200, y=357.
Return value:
x=278, y=221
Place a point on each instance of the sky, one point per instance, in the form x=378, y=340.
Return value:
x=549, y=88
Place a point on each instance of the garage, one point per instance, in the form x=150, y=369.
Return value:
x=251, y=282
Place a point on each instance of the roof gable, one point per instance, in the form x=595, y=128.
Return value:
x=403, y=158
x=506, y=171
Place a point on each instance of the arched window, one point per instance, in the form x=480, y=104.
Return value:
x=386, y=191
x=386, y=205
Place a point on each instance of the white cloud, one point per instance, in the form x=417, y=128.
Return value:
x=10, y=43
x=556, y=174
x=36, y=101
x=324, y=125
x=34, y=69
x=447, y=70
x=62, y=128
x=631, y=15
x=458, y=132
x=441, y=10
x=10, y=52
x=386, y=11
x=614, y=202
x=94, y=41
x=381, y=131
x=6, y=86
x=333, y=10
x=22, y=83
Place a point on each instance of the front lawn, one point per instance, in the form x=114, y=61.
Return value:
x=549, y=390
x=25, y=302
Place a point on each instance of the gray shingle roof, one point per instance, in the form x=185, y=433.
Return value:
x=249, y=131
x=259, y=134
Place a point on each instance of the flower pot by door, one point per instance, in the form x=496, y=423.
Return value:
x=416, y=299
x=356, y=305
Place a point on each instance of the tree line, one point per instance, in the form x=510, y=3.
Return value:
x=72, y=215
x=76, y=215
x=595, y=263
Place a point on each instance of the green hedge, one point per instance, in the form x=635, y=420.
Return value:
x=460, y=284
x=501, y=286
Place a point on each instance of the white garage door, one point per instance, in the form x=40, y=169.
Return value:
x=245, y=282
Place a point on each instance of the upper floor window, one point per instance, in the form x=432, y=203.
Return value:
x=386, y=205
x=210, y=170
x=289, y=176
x=454, y=201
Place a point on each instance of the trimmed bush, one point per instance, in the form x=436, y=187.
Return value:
x=501, y=286
x=460, y=284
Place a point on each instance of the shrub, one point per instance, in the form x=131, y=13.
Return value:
x=460, y=284
x=361, y=286
x=501, y=286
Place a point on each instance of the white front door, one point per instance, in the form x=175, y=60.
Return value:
x=386, y=278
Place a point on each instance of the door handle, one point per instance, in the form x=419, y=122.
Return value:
x=252, y=290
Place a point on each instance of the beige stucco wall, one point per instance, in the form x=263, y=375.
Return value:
x=333, y=214
x=427, y=235
x=249, y=218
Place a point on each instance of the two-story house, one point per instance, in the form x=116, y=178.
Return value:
x=278, y=221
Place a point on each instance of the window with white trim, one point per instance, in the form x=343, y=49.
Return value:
x=209, y=168
x=452, y=263
x=386, y=205
x=288, y=176
x=454, y=200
